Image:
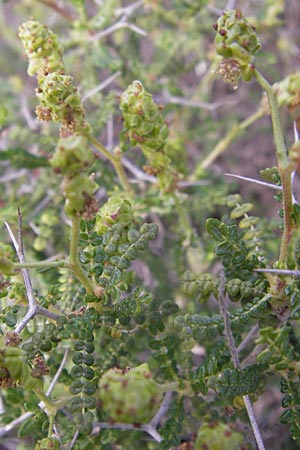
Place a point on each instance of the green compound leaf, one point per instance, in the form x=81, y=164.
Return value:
x=213, y=229
x=235, y=382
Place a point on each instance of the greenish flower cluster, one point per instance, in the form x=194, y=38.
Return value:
x=130, y=395
x=289, y=91
x=48, y=443
x=289, y=95
x=238, y=43
x=144, y=126
x=73, y=158
x=14, y=369
x=42, y=49
x=78, y=191
x=72, y=155
x=60, y=102
x=214, y=436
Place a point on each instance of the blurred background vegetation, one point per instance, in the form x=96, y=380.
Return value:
x=169, y=47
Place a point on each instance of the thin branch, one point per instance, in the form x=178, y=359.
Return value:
x=296, y=134
x=33, y=307
x=139, y=174
x=227, y=327
x=152, y=431
x=42, y=204
x=115, y=161
x=27, y=318
x=129, y=9
x=15, y=175
x=20, y=254
x=40, y=310
x=280, y=271
x=164, y=407
x=20, y=237
x=14, y=423
x=229, y=137
x=263, y=183
x=235, y=359
x=110, y=132
x=252, y=333
x=58, y=373
x=31, y=122
x=253, y=180
x=101, y=86
x=10, y=426
x=59, y=9
x=127, y=426
x=18, y=244
x=197, y=103
x=122, y=23
x=74, y=439
x=2, y=408
x=149, y=428
x=253, y=422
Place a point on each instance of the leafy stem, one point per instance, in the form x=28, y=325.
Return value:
x=184, y=219
x=74, y=261
x=116, y=162
x=223, y=298
x=41, y=264
x=284, y=166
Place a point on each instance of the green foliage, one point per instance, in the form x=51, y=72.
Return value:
x=141, y=302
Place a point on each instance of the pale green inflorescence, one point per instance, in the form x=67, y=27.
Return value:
x=78, y=191
x=61, y=102
x=218, y=436
x=48, y=443
x=145, y=126
x=143, y=121
x=237, y=42
x=130, y=395
x=14, y=370
x=42, y=49
x=72, y=155
x=59, y=98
